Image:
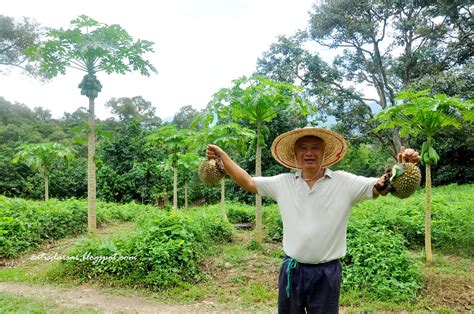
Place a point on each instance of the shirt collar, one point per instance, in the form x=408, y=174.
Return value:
x=327, y=173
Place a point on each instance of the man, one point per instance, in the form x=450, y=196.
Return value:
x=315, y=204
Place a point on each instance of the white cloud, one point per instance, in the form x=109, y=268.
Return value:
x=200, y=46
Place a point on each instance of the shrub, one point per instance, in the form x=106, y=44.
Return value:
x=240, y=213
x=273, y=223
x=25, y=224
x=165, y=249
x=378, y=264
x=451, y=218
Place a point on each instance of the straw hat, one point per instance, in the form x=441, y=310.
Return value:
x=283, y=146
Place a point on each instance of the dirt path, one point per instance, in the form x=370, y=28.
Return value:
x=86, y=297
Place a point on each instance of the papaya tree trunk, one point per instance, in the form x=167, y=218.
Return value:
x=258, y=198
x=46, y=187
x=175, y=187
x=186, y=194
x=91, y=178
x=429, y=254
x=223, y=211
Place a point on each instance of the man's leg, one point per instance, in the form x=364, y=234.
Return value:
x=294, y=302
x=322, y=287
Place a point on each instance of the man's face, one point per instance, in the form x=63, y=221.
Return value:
x=309, y=152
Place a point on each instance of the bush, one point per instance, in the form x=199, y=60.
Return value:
x=273, y=223
x=240, y=213
x=451, y=218
x=378, y=264
x=165, y=249
x=25, y=224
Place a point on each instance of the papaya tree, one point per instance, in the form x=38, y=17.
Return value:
x=42, y=158
x=421, y=114
x=231, y=137
x=257, y=100
x=187, y=165
x=91, y=47
x=174, y=142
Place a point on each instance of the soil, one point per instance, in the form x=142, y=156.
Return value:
x=92, y=298
x=453, y=291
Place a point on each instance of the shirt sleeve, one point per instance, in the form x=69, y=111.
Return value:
x=361, y=188
x=268, y=186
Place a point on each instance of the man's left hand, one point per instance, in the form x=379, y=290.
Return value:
x=408, y=155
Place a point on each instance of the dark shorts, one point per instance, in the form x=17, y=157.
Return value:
x=314, y=288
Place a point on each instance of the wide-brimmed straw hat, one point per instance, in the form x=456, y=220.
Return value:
x=283, y=150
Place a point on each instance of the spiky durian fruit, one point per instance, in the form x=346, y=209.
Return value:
x=211, y=172
x=405, y=180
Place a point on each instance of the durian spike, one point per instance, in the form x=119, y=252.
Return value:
x=402, y=149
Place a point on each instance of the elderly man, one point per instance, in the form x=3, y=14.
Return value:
x=315, y=204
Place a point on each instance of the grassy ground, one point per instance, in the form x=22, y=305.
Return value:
x=237, y=277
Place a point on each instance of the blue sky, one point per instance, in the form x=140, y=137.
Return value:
x=200, y=47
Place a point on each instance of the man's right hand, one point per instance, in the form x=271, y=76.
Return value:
x=237, y=174
x=214, y=152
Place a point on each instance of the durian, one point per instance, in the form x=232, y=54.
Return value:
x=405, y=180
x=211, y=172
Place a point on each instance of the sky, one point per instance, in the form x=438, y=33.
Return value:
x=200, y=47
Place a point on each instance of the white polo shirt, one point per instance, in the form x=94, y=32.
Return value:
x=315, y=220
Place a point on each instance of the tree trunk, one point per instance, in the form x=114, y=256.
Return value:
x=429, y=254
x=46, y=187
x=224, y=214
x=91, y=179
x=186, y=194
x=175, y=187
x=258, y=198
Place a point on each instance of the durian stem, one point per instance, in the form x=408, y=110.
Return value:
x=429, y=254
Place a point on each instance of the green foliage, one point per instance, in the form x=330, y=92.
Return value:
x=91, y=46
x=451, y=218
x=273, y=223
x=165, y=249
x=26, y=224
x=420, y=113
x=240, y=213
x=365, y=160
x=15, y=37
x=41, y=157
x=378, y=264
x=135, y=108
x=128, y=168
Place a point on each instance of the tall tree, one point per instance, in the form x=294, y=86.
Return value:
x=42, y=157
x=257, y=100
x=184, y=117
x=127, y=109
x=15, y=38
x=380, y=48
x=425, y=115
x=91, y=47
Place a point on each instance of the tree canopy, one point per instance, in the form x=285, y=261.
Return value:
x=15, y=38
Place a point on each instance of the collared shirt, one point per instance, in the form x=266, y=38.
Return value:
x=315, y=219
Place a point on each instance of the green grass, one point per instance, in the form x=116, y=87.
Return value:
x=242, y=275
